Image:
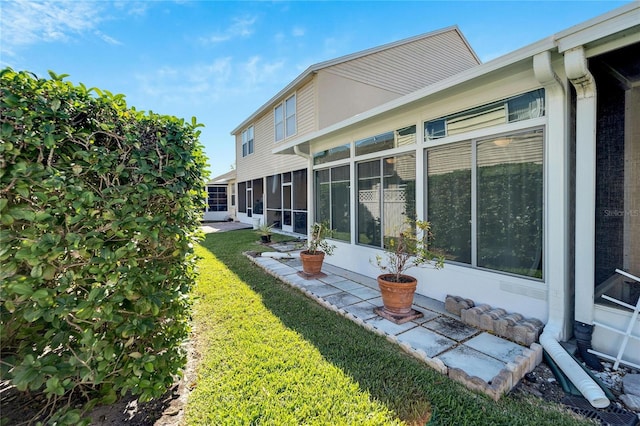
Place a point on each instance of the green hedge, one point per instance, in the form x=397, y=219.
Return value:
x=100, y=205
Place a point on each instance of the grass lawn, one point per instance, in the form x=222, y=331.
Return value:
x=270, y=355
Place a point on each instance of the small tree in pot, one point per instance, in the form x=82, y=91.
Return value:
x=265, y=232
x=409, y=249
x=317, y=248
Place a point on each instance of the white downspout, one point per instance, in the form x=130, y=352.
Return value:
x=557, y=262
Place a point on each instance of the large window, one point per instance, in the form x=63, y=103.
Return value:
x=386, y=197
x=247, y=141
x=333, y=200
x=285, y=119
x=488, y=212
x=449, y=200
x=217, y=198
x=518, y=108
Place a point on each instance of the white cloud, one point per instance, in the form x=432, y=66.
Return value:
x=255, y=71
x=134, y=8
x=208, y=83
x=240, y=28
x=192, y=85
x=297, y=31
x=28, y=22
x=107, y=39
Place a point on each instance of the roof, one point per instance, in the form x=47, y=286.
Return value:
x=625, y=20
x=223, y=179
x=308, y=73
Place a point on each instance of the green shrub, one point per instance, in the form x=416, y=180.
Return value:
x=99, y=206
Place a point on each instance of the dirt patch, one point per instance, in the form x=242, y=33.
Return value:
x=168, y=410
x=23, y=408
x=543, y=384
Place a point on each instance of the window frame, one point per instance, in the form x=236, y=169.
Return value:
x=473, y=138
x=468, y=113
x=282, y=115
x=216, y=202
x=248, y=141
x=391, y=156
x=332, y=183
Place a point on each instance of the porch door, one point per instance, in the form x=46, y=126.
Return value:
x=287, y=212
x=249, y=201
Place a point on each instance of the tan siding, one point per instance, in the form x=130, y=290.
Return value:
x=305, y=109
x=341, y=98
x=409, y=67
x=262, y=162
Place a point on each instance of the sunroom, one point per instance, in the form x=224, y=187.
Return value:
x=532, y=214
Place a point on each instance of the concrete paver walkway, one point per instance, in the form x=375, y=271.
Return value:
x=480, y=360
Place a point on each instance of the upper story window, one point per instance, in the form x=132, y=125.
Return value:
x=285, y=118
x=247, y=141
x=522, y=107
x=290, y=114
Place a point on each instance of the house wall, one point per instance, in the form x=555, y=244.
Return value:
x=307, y=114
x=262, y=162
x=411, y=66
x=340, y=97
x=528, y=297
x=358, y=85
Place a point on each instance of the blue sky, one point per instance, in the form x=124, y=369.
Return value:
x=220, y=61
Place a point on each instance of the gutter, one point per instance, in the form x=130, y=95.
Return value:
x=558, y=293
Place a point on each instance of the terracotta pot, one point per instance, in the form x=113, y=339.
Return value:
x=311, y=263
x=397, y=297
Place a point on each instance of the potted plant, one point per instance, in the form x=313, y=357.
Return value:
x=265, y=232
x=317, y=248
x=408, y=249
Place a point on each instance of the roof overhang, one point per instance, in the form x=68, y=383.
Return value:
x=308, y=74
x=618, y=26
x=223, y=179
x=525, y=54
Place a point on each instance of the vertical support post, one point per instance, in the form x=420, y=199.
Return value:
x=576, y=68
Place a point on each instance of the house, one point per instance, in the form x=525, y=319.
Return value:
x=221, y=198
x=528, y=168
x=273, y=189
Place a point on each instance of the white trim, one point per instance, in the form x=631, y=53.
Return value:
x=524, y=54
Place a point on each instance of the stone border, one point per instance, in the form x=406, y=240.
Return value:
x=501, y=384
x=512, y=326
